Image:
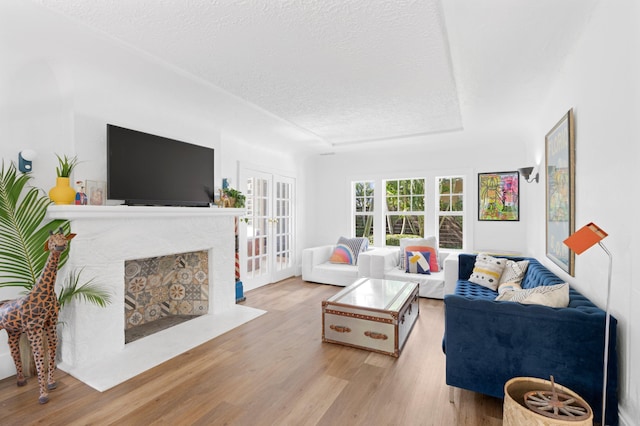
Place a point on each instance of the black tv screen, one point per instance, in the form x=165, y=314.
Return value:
x=145, y=169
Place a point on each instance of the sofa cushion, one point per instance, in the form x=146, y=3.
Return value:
x=357, y=245
x=417, y=262
x=514, y=272
x=343, y=254
x=433, y=256
x=555, y=296
x=487, y=271
x=508, y=287
x=431, y=286
x=421, y=244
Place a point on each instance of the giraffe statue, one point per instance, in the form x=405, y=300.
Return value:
x=36, y=314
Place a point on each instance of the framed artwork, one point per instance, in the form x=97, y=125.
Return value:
x=499, y=196
x=96, y=192
x=560, y=191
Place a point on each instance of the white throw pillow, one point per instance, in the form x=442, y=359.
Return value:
x=487, y=271
x=514, y=271
x=555, y=296
x=422, y=242
x=508, y=287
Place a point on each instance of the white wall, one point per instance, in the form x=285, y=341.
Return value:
x=60, y=84
x=467, y=153
x=601, y=81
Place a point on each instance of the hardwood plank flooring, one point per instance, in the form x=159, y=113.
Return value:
x=274, y=370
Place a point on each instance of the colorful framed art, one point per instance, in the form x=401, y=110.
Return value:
x=499, y=196
x=560, y=191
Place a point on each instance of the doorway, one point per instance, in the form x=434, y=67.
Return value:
x=269, y=228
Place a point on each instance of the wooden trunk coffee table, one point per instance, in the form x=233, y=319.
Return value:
x=372, y=314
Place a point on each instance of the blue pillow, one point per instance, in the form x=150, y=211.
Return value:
x=417, y=262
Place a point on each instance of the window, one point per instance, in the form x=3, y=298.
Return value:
x=405, y=200
x=451, y=212
x=363, y=210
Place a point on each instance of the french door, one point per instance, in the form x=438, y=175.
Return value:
x=269, y=229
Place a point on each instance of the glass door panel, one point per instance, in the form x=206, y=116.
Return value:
x=270, y=229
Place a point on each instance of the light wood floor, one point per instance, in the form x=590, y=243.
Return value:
x=274, y=370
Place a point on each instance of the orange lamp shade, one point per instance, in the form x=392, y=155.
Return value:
x=585, y=237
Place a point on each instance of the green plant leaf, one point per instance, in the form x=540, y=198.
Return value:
x=24, y=232
x=89, y=291
x=66, y=165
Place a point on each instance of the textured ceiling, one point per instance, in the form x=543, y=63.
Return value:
x=354, y=71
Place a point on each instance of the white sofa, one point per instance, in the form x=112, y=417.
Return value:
x=384, y=264
x=317, y=268
x=376, y=263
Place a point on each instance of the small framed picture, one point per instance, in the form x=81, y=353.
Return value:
x=498, y=196
x=97, y=192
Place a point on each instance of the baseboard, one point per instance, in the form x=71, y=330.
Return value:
x=7, y=367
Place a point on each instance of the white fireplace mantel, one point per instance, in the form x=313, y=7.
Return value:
x=92, y=346
x=73, y=212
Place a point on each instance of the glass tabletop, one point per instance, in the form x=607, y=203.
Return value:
x=375, y=293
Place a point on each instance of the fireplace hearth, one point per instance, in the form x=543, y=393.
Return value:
x=110, y=243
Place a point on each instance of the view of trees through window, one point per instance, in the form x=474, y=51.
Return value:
x=450, y=217
x=363, y=197
x=405, y=209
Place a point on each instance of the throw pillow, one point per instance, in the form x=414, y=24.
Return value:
x=418, y=262
x=433, y=257
x=343, y=254
x=357, y=246
x=508, y=287
x=514, y=271
x=422, y=243
x=555, y=296
x=487, y=271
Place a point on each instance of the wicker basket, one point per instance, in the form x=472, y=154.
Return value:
x=516, y=412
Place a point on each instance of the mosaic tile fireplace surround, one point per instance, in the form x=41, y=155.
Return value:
x=160, y=287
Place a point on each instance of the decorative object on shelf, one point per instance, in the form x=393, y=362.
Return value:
x=97, y=192
x=526, y=172
x=519, y=392
x=230, y=197
x=239, y=287
x=62, y=193
x=499, y=196
x=81, y=195
x=582, y=240
x=25, y=159
x=560, y=191
x=37, y=315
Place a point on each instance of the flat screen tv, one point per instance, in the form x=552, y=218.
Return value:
x=145, y=169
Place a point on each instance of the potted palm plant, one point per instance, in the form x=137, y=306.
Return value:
x=62, y=193
x=24, y=231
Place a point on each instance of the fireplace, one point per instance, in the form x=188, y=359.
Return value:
x=109, y=241
x=164, y=291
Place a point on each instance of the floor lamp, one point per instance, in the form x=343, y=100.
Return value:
x=583, y=239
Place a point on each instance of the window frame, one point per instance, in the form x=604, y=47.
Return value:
x=411, y=197
x=365, y=213
x=451, y=213
x=431, y=210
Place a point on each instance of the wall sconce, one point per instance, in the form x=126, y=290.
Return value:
x=526, y=172
x=25, y=157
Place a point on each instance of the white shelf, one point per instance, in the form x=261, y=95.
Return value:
x=75, y=212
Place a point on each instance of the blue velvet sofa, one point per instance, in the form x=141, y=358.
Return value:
x=488, y=342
